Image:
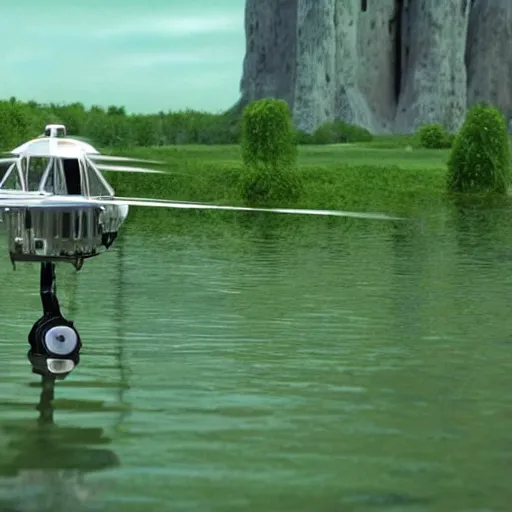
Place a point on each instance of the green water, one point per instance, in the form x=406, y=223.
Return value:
x=318, y=365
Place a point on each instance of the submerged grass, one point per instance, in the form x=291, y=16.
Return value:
x=397, y=178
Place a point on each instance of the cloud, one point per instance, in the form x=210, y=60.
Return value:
x=174, y=26
x=203, y=57
x=103, y=28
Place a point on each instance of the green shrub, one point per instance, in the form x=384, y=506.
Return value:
x=337, y=132
x=480, y=156
x=324, y=134
x=434, y=136
x=269, y=153
x=346, y=132
x=303, y=138
x=268, y=137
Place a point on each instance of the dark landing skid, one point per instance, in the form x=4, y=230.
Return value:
x=52, y=337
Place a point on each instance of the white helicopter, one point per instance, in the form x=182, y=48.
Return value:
x=57, y=206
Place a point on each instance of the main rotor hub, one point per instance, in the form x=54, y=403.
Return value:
x=55, y=130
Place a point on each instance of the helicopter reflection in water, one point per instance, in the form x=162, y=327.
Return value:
x=43, y=466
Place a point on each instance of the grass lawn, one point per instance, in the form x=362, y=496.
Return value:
x=386, y=175
x=372, y=153
x=367, y=155
x=390, y=175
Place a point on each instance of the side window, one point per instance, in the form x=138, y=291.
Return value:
x=12, y=180
x=96, y=187
x=3, y=170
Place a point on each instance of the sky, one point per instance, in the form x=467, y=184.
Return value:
x=146, y=55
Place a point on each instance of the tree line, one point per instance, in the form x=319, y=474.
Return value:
x=113, y=127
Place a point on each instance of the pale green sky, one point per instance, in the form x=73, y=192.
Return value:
x=147, y=55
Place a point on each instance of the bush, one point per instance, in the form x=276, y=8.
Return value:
x=434, y=136
x=480, y=157
x=303, y=138
x=269, y=152
x=324, y=134
x=268, y=137
x=337, y=132
x=346, y=132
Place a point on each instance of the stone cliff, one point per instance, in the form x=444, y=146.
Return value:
x=387, y=65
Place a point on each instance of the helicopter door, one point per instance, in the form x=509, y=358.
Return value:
x=71, y=169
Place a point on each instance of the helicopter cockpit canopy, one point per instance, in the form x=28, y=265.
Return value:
x=55, y=166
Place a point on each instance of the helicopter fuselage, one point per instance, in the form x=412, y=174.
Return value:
x=71, y=230
x=65, y=234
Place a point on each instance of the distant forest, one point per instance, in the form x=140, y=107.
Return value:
x=113, y=127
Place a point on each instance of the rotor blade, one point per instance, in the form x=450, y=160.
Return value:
x=46, y=203
x=164, y=201
x=63, y=202
x=205, y=206
x=122, y=159
x=87, y=203
x=123, y=168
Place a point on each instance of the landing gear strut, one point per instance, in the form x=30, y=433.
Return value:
x=54, y=342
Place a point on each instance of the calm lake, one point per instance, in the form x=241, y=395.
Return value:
x=319, y=365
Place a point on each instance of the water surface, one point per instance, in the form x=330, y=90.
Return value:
x=310, y=366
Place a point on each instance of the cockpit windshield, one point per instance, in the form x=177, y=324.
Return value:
x=60, y=176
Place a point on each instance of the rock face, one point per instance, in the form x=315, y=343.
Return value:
x=377, y=60
x=489, y=54
x=386, y=65
x=271, y=34
x=433, y=72
x=316, y=66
